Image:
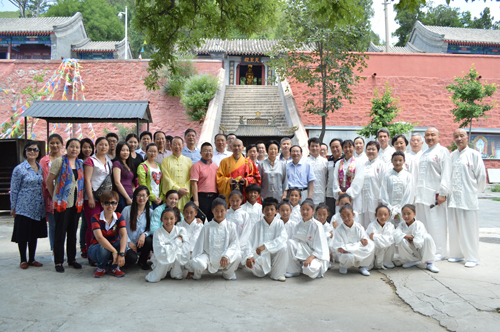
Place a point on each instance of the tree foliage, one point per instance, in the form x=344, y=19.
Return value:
x=197, y=93
x=101, y=20
x=31, y=8
x=330, y=69
x=468, y=95
x=173, y=83
x=384, y=111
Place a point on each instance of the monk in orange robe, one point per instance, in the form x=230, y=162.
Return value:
x=236, y=172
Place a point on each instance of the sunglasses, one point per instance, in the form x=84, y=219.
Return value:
x=108, y=203
x=32, y=149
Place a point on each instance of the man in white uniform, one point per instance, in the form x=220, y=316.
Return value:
x=319, y=166
x=386, y=151
x=433, y=185
x=468, y=178
x=416, y=143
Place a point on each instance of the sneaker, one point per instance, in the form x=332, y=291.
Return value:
x=364, y=271
x=291, y=275
x=389, y=266
x=84, y=253
x=233, y=277
x=470, y=264
x=116, y=272
x=431, y=267
x=319, y=276
x=440, y=258
x=75, y=265
x=59, y=268
x=99, y=273
x=410, y=264
x=455, y=260
x=342, y=270
x=281, y=278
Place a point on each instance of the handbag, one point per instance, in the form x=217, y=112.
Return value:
x=106, y=184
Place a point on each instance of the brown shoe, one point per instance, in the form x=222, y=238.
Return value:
x=23, y=265
x=35, y=264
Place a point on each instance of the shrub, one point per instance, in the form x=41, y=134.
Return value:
x=197, y=93
x=495, y=188
x=174, y=82
x=122, y=132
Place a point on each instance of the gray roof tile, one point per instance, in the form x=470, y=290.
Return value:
x=96, y=46
x=39, y=25
x=240, y=46
x=466, y=35
x=409, y=48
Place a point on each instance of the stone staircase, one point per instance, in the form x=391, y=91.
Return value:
x=246, y=101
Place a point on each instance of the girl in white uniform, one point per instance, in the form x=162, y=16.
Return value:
x=321, y=214
x=285, y=209
x=240, y=218
x=381, y=232
x=193, y=227
x=295, y=197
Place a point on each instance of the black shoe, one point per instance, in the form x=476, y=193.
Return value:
x=60, y=268
x=91, y=262
x=75, y=265
x=145, y=266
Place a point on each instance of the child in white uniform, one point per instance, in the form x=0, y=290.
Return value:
x=193, y=227
x=252, y=207
x=381, y=232
x=343, y=200
x=414, y=244
x=266, y=250
x=167, y=245
x=321, y=214
x=217, y=247
x=240, y=218
x=295, y=197
x=353, y=247
x=308, y=250
x=285, y=210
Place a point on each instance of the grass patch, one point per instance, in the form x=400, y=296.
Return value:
x=495, y=188
x=496, y=199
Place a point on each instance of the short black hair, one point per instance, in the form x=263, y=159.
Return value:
x=347, y=141
x=231, y=134
x=215, y=137
x=361, y=138
x=68, y=142
x=344, y=196
x=260, y=142
x=313, y=140
x=108, y=135
x=269, y=143
x=374, y=143
x=190, y=131
x=30, y=143
x=395, y=138
x=253, y=187
x=150, y=145
x=322, y=206
x=169, y=138
x=309, y=202
x=346, y=207
x=293, y=146
x=144, y=133
x=158, y=132
x=382, y=206
x=251, y=146
x=57, y=136
x=285, y=201
x=398, y=153
x=129, y=136
x=220, y=200
x=206, y=144
x=178, y=137
x=270, y=201
x=336, y=139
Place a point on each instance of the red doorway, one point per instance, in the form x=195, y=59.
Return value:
x=259, y=73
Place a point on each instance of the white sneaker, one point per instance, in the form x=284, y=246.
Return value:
x=409, y=264
x=319, y=276
x=389, y=266
x=364, y=271
x=470, y=264
x=342, y=270
x=233, y=277
x=440, y=258
x=281, y=278
x=291, y=275
x=431, y=267
x=455, y=260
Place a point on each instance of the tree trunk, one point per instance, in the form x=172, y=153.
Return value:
x=470, y=133
x=323, y=87
x=323, y=128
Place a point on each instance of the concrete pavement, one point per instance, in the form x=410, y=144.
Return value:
x=456, y=299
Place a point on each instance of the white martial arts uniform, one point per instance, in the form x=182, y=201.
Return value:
x=329, y=234
x=397, y=189
x=168, y=254
x=254, y=212
x=370, y=194
x=319, y=166
x=423, y=248
x=243, y=224
x=308, y=239
x=336, y=217
x=296, y=216
x=193, y=230
x=216, y=240
x=386, y=154
x=383, y=238
x=274, y=258
x=416, y=155
x=434, y=178
x=349, y=239
x=356, y=184
x=410, y=165
x=468, y=180
x=362, y=158
x=289, y=225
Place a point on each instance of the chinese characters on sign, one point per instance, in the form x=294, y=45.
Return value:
x=231, y=72
x=250, y=60
x=269, y=76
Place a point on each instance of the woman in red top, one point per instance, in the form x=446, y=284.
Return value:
x=110, y=237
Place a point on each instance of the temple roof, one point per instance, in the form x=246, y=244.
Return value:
x=465, y=35
x=95, y=46
x=33, y=25
x=409, y=48
x=240, y=46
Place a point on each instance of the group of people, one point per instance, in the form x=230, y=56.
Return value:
x=159, y=198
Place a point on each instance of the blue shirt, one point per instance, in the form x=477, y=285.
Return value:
x=26, y=191
x=194, y=156
x=133, y=236
x=299, y=175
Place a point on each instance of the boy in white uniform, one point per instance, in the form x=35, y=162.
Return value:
x=252, y=207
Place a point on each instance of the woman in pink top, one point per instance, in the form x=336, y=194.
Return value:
x=55, y=151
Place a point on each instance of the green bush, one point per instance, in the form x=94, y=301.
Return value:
x=198, y=90
x=174, y=82
x=122, y=132
x=495, y=188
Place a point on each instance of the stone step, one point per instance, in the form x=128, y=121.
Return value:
x=243, y=108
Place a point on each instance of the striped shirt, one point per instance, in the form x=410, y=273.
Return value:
x=111, y=232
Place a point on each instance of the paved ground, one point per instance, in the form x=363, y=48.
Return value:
x=457, y=299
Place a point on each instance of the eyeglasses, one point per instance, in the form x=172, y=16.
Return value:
x=32, y=149
x=108, y=203
x=142, y=196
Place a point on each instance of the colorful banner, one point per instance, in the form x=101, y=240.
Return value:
x=487, y=145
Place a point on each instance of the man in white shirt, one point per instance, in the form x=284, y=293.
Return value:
x=230, y=139
x=468, y=178
x=386, y=151
x=161, y=141
x=285, y=145
x=433, y=185
x=145, y=138
x=220, y=149
x=261, y=149
x=416, y=143
x=319, y=166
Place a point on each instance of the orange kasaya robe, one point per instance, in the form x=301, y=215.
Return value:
x=242, y=169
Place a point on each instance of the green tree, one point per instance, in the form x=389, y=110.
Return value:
x=329, y=69
x=375, y=38
x=101, y=20
x=468, y=94
x=384, y=111
x=485, y=21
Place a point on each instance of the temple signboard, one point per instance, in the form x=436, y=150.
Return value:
x=231, y=73
x=19, y=40
x=250, y=60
